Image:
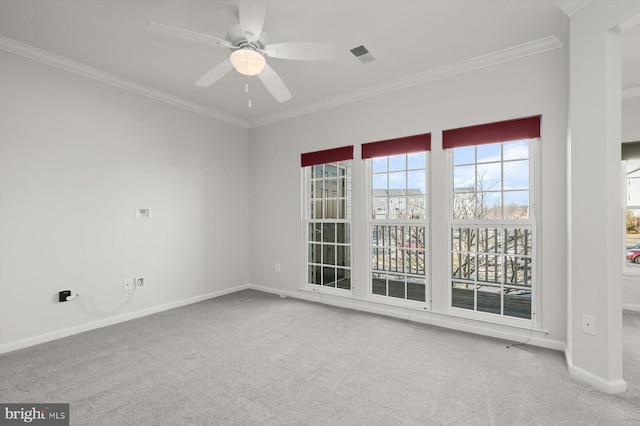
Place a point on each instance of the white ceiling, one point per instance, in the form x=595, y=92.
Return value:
x=407, y=38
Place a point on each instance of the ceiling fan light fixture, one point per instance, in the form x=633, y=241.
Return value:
x=247, y=61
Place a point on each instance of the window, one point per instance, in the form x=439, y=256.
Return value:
x=397, y=225
x=492, y=228
x=632, y=216
x=631, y=185
x=328, y=217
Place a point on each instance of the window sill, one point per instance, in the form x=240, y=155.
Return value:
x=328, y=290
x=494, y=319
x=400, y=303
x=630, y=274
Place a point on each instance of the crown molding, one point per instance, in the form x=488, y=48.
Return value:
x=511, y=53
x=569, y=7
x=631, y=92
x=508, y=54
x=31, y=52
x=628, y=24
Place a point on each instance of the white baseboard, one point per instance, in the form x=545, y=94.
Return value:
x=469, y=326
x=59, y=334
x=444, y=321
x=608, y=386
x=630, y=307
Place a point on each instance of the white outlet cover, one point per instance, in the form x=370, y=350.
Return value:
x=127, y=284
x=143, y=213
x=589, y=324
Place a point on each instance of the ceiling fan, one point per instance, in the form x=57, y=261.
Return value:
x=249, y=45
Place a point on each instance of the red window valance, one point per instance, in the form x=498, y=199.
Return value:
x=326, y=156
x=500, y=131
x=396, y=146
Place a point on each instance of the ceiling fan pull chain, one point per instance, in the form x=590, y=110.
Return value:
x=246, y=87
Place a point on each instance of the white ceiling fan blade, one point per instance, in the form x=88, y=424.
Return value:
x=301, y=51
x=182, y=34
x=274, y=84
x=251, y=15
x=215, y=74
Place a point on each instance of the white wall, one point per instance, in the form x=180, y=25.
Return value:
x=594, y=188
x=76, y=158
x=631, y=133
x=519, y=88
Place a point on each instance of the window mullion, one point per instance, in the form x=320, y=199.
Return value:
x=401, y=271
x=500, y=278
x=328, y=249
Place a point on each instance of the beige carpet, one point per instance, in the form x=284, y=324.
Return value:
x=253, y=358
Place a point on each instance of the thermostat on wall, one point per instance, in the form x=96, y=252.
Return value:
x=143, y=213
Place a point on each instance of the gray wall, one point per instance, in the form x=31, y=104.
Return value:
x=76, y=158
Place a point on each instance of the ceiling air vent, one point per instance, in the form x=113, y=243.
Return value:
x=362, y=54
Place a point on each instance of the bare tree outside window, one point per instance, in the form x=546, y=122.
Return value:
x=491, y=256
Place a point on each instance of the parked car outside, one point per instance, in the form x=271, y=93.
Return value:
x=633, y=255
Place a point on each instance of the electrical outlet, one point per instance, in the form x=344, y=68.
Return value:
x=589, y=324
x=140, y=281
x=62, y=296
x=127, y=284
x=277, y=267
x=143, y=213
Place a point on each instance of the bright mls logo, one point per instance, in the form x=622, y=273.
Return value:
x=35, y=414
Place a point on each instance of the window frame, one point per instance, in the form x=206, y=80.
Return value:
x=367, y=172
x=305, y=179
x=627, y=270
x=532, y=222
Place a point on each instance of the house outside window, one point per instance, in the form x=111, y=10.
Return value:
x=398, y=240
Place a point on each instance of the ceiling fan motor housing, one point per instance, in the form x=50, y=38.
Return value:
x=238, y=38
